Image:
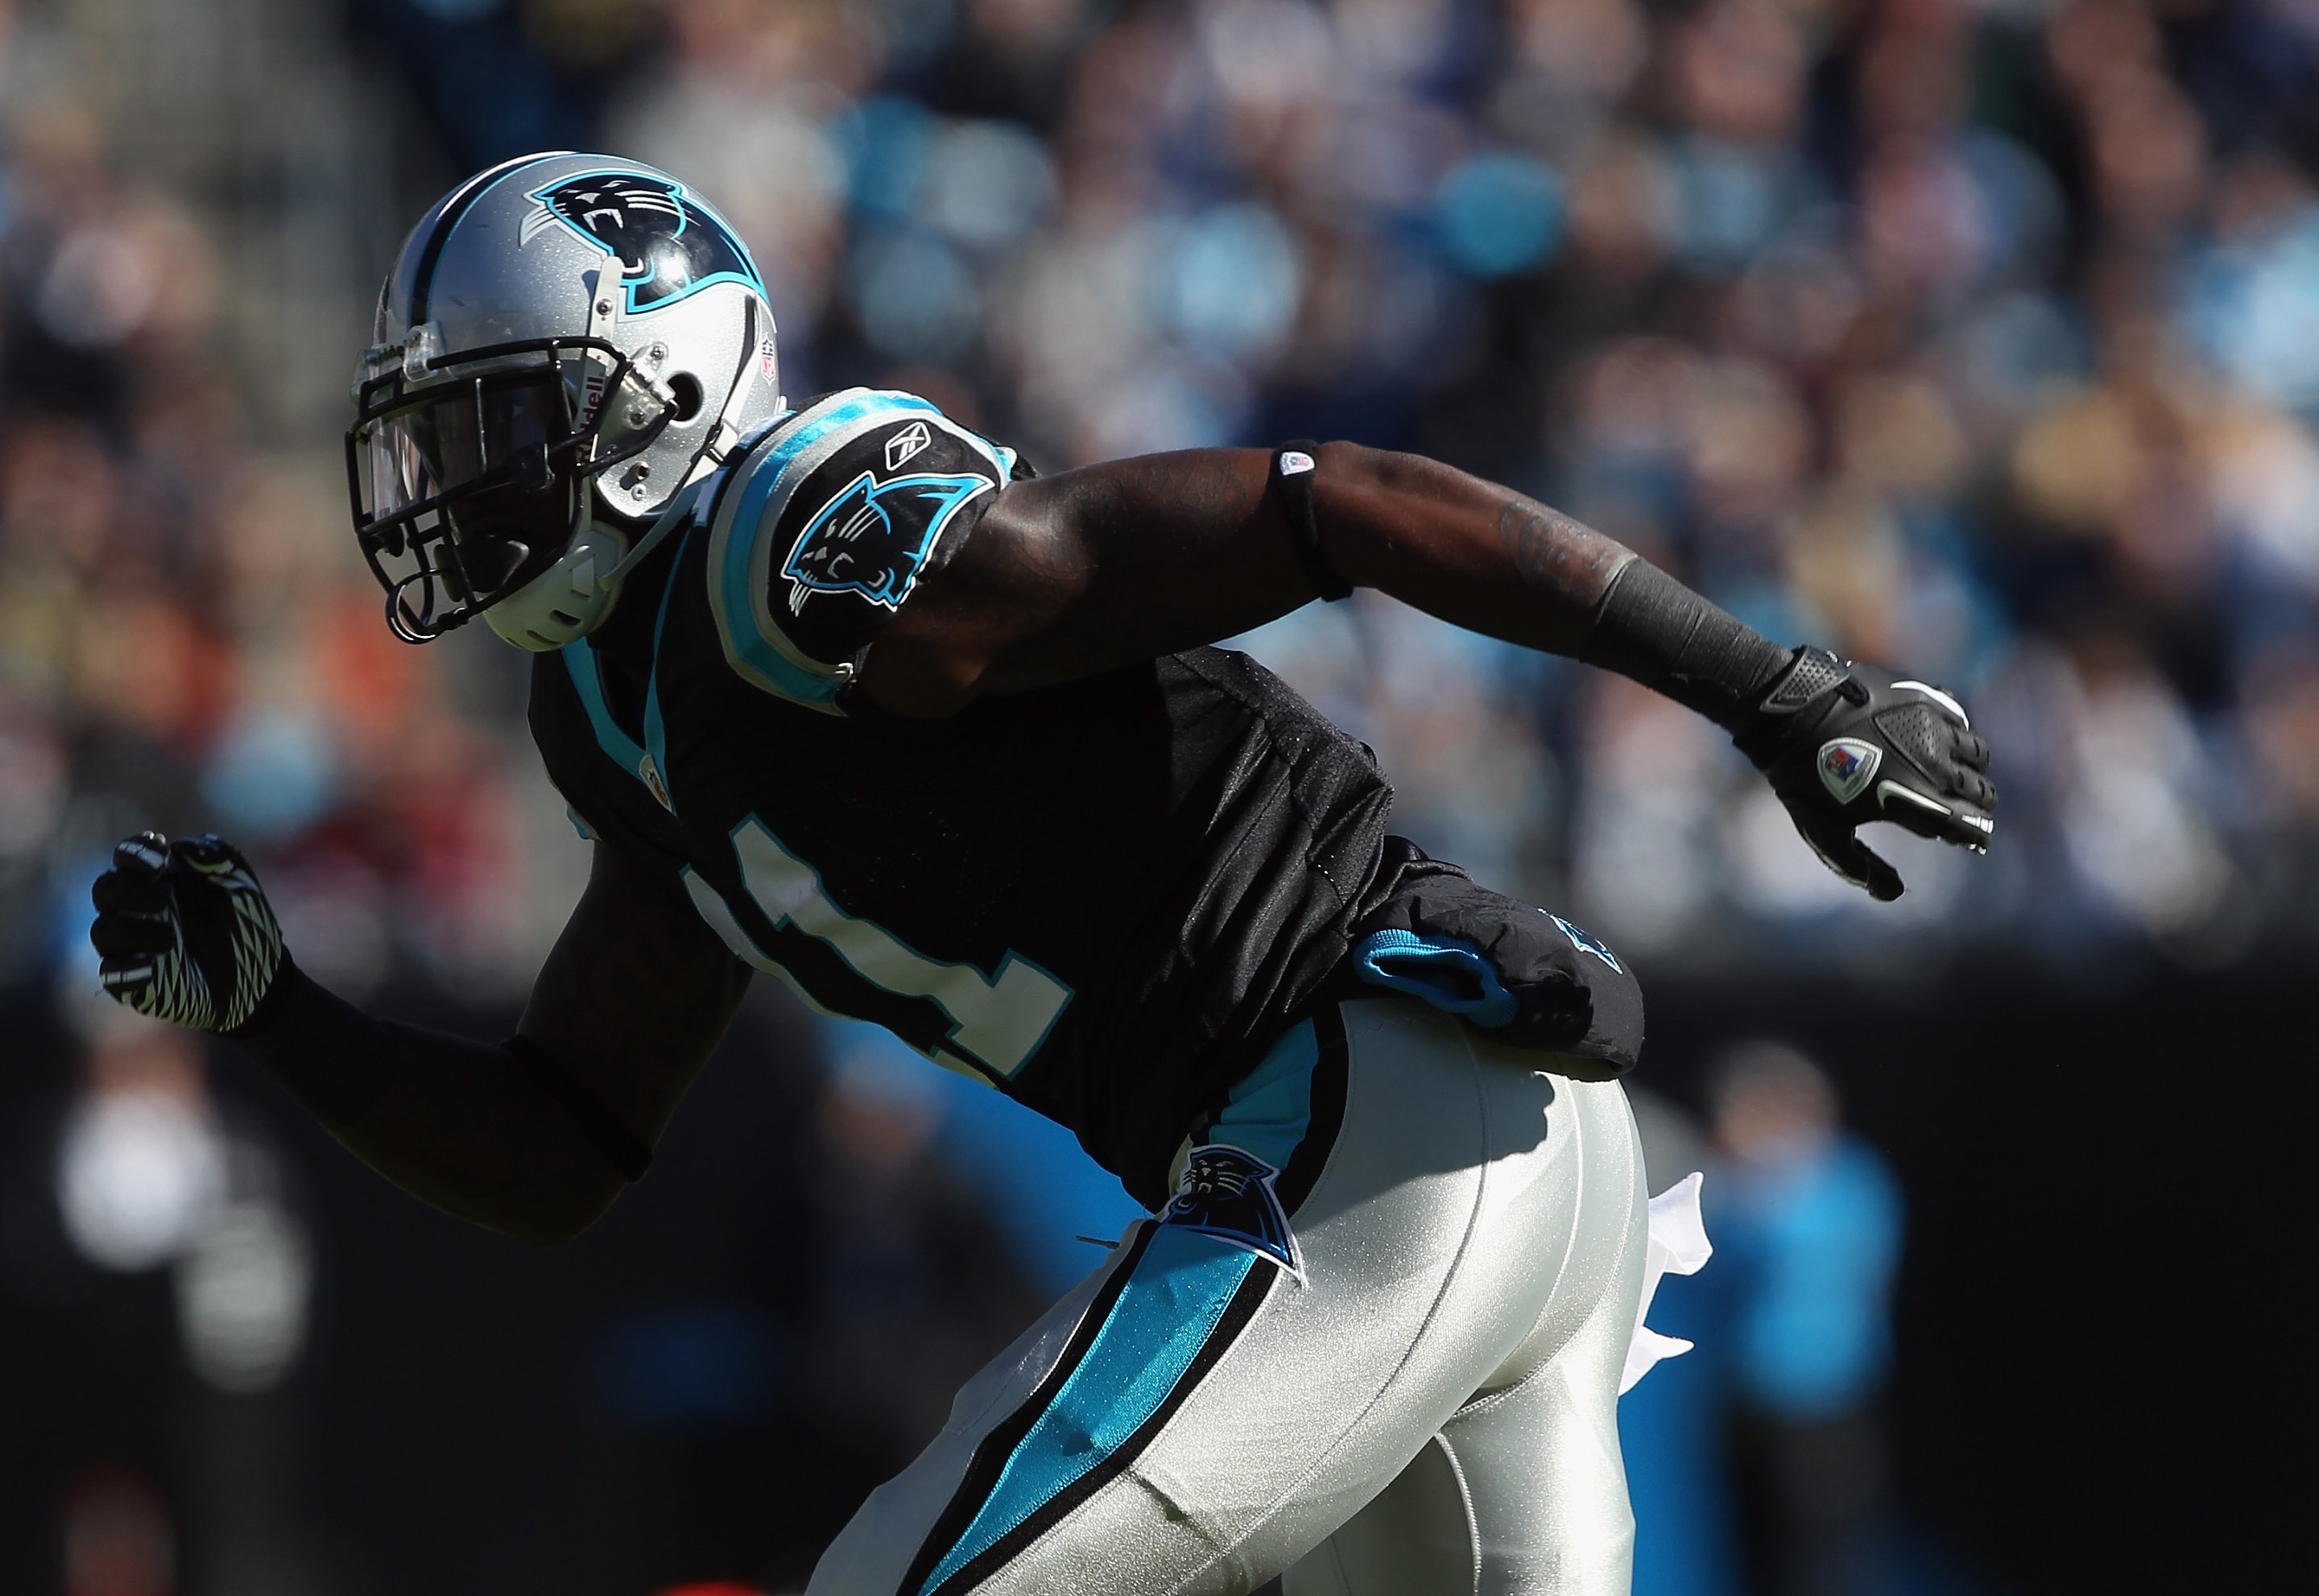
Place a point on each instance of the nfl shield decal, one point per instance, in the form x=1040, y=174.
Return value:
x=1228, y=1192
x=648, y=771
x=1847, y=765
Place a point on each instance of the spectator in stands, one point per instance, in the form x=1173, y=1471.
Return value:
x=1807, y=1222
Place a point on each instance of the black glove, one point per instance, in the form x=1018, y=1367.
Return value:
x=1522, y=976
x=1845, y=744
x=184, y=932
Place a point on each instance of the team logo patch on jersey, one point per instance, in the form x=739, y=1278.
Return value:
x=1228, y=1193
x=670, y=246
x=1586, y=942
x=1847, y=765
x=872, y=538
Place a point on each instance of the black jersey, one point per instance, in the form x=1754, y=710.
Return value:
x=1105, y=899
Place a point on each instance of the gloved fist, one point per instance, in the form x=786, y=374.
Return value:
x=1845, y=744
x=184, y=932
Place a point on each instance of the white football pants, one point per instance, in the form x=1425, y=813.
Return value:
x=1430, y=1409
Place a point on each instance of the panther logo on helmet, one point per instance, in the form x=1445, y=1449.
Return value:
x=669, y=245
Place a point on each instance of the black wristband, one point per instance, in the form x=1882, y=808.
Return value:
x=609, y=1134
x=1294, y=465
x=1649, y=626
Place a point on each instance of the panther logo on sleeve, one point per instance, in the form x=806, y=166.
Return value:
x=838, y=512
x=872, y=537
x=670, y=244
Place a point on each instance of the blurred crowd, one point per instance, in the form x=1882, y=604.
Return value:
x=186, y=640
x=1979, y=339
x=1982, y=340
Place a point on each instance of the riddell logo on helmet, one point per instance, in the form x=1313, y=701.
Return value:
x=1847, y=765
x=592, y=397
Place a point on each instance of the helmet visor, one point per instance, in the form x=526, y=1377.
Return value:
x=451, y=435
x=468, y=486
x=483, y=453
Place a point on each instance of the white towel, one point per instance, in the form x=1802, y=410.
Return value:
x=1678, y=1245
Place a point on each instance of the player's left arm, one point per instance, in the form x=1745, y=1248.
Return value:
x=533, y=1136
x=1069, y=575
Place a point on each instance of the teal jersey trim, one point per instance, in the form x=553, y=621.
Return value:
x=655, y=732
x=587, y=678
x=1154, y=1333
x=1270, y=1107
x=646, y=761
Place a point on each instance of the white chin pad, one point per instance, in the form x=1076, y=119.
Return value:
x=566, y=601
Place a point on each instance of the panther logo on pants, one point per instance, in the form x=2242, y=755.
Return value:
x=1227, y=1192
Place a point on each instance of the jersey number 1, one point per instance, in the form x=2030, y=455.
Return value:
x=998, y=1021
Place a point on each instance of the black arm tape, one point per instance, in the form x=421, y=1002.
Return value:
x=1294, y=490
x=1649, y=626
x=609, y=1134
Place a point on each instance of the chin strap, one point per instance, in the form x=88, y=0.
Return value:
x=679, y=509
x=714, y=449
x=722, y=436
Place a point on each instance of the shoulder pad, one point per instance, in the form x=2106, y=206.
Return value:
x=824, y=527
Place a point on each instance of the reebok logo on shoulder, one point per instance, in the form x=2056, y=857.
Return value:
x=906, y=444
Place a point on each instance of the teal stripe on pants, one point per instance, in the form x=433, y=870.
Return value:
x=1152, y=1336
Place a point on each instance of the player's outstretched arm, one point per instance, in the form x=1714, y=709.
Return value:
x=533, y=1136
x=1100, y=567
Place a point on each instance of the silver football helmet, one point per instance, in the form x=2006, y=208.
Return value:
x=566, y=344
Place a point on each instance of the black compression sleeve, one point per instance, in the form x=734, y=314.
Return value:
x=622, y=1148
x=328, y=1052
x=1649, y=626
x=340, y=1063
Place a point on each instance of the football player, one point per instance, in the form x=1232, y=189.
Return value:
x=840, y=691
